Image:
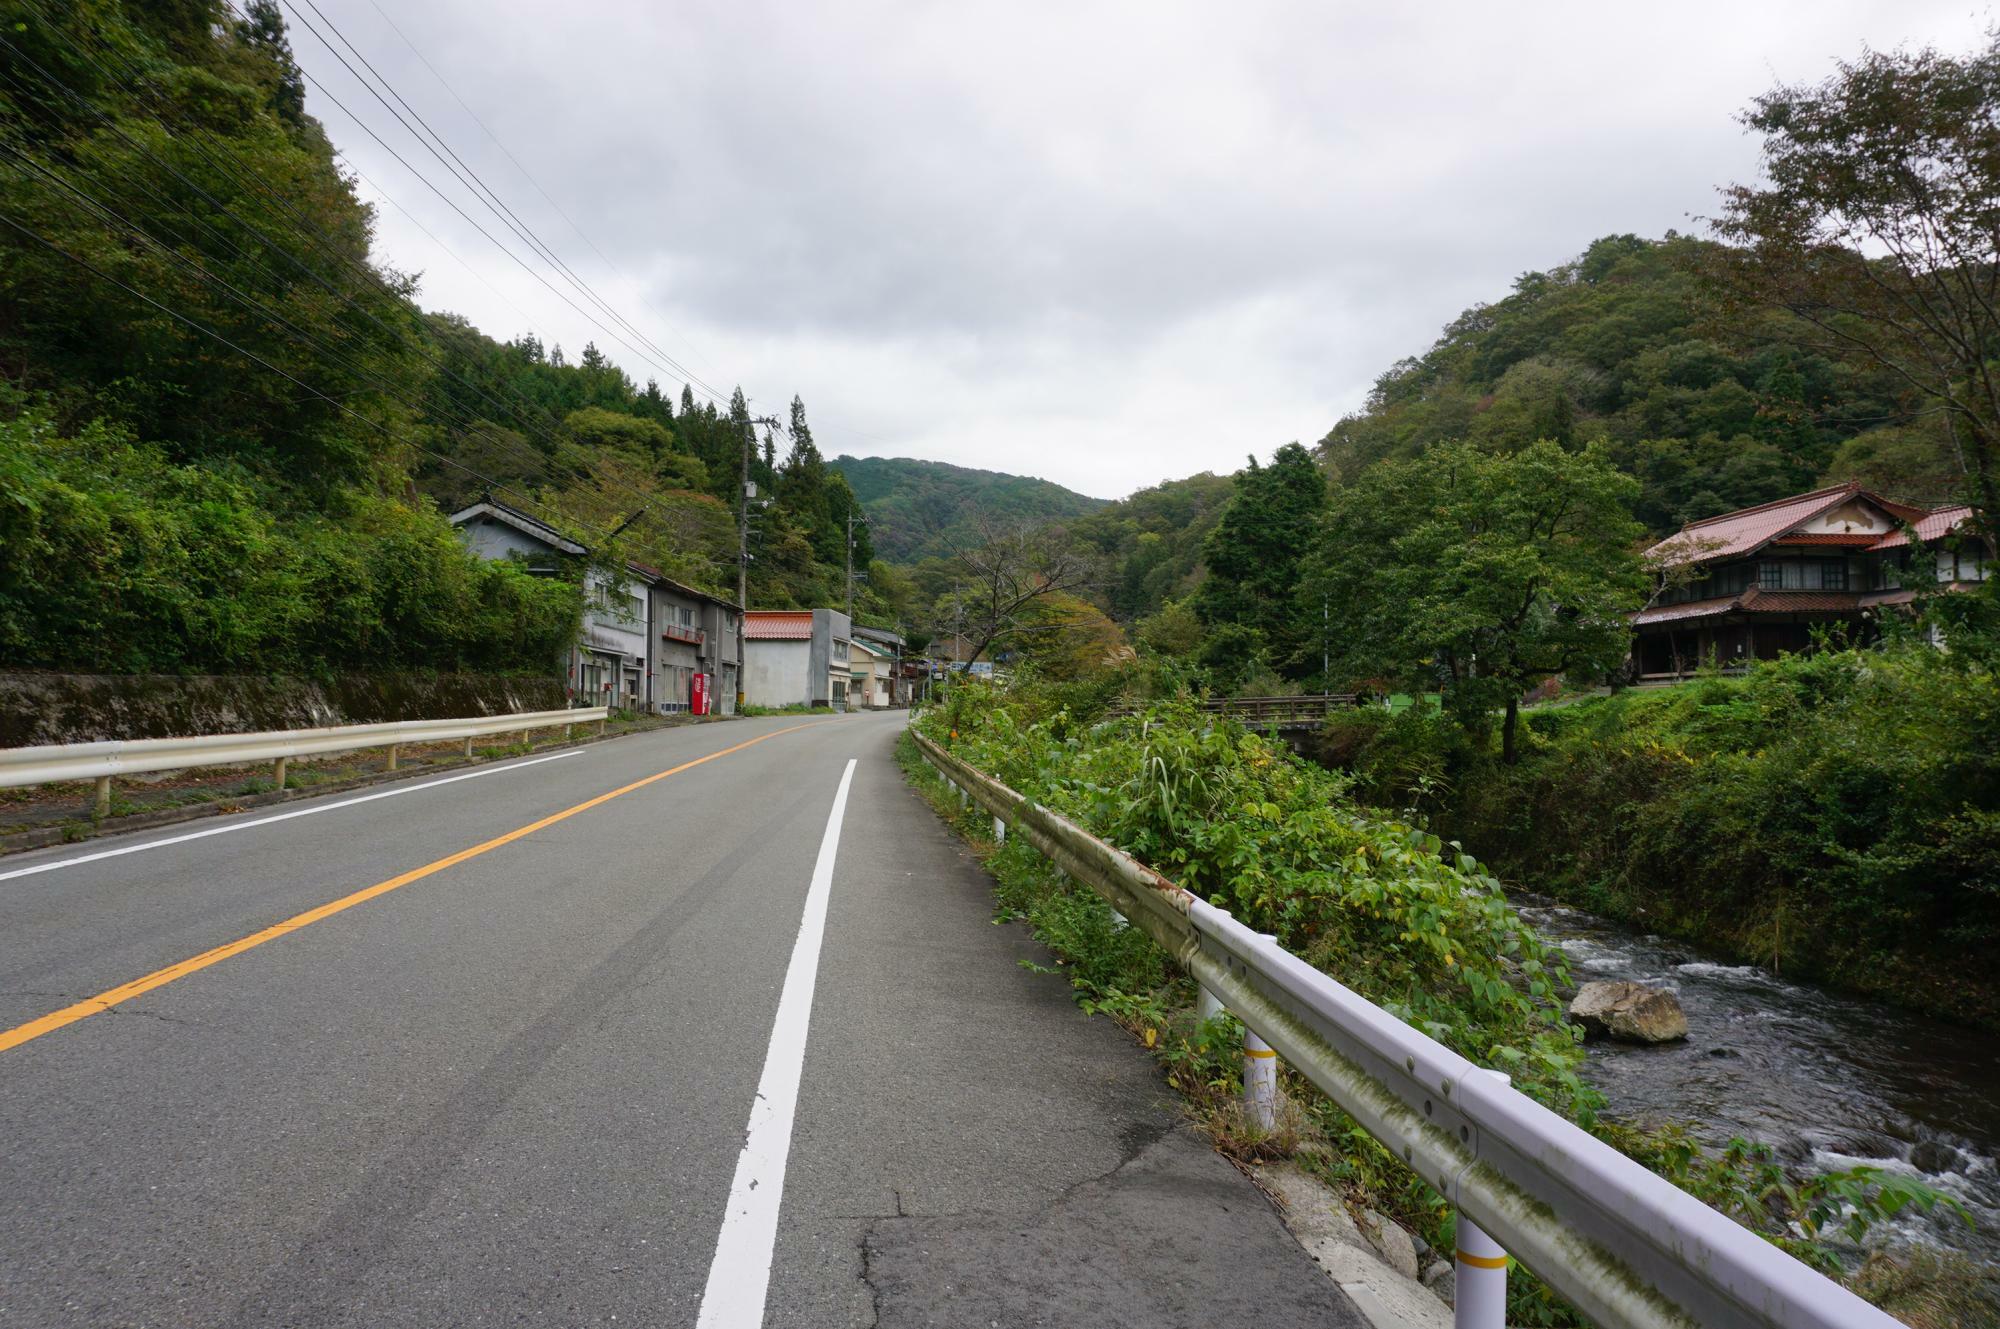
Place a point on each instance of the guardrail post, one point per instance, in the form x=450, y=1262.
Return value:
x=468, y=746
x=395, y=754
x=1479, y=1299
x=1260, y=1081
x=103, y=803
x=999, y=831
x=568, y=731
x=278, y=771
x=1207, y=1006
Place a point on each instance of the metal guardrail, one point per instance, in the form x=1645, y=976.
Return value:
x=102, y=761
x=1624, y=1246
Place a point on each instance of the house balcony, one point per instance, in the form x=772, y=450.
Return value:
x=687, y=636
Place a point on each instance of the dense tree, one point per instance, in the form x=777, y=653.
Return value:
x=1480, y=574
x=1255, y=551
x=918, y=509
x=1710, y=407
x=1876, y=229
x=203, y=373
x=1151, y=541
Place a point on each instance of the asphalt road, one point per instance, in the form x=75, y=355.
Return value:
x=446, y=1056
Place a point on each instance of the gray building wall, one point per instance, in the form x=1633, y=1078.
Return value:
x=721, y=622
x=674, y=663
x=827, y=670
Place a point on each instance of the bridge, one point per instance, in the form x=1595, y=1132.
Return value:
x=1286, y=714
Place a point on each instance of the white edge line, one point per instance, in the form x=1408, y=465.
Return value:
x=740, y=1277
x=282, y=816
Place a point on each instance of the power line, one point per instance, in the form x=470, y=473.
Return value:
x=428, y=183
x=525, y=173
x=493, y=202
x=542, y=248
x=205, y=330
x=461, y=420
x=320, y=238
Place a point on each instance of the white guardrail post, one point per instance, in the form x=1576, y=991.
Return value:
x=1622, y=1245
x=102, y=762
x=1260, y=1081
x=1479, y=1272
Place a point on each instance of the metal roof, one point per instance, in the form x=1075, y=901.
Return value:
x=520, y=521
x=1756, y=600
x=1747, y=530
x=1931, y=526
x=1676, y=613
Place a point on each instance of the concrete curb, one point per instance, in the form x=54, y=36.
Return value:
x=1377, y=1275
x=42, y=837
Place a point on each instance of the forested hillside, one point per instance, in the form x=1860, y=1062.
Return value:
x=1709, y=407
x=228, y=435
x=921, y=509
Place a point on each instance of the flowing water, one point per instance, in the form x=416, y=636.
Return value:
x=1829, y=1081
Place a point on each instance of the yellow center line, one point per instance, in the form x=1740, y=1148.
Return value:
x=104, y=1001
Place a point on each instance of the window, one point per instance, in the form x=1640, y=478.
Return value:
x=1833, y=576
x=1770, y=576
x=840, y=650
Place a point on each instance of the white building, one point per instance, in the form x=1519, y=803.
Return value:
x=796, y=657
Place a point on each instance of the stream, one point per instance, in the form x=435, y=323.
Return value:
x=1829, y=1081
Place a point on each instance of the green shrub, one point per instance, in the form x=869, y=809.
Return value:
x=115, y=559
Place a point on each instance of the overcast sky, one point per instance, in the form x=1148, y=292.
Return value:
x=1105, y=244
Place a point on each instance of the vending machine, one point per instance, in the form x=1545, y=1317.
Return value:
x=698, y=700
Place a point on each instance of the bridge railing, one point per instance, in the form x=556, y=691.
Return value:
x=1258, y=712
x=1263, y=712
x=1627, y=1248
x=53, y=763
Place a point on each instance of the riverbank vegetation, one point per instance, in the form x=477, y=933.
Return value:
x=1834, y=817
x=1377, y=901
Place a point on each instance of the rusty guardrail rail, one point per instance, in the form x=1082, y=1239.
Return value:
x=1626, y=1247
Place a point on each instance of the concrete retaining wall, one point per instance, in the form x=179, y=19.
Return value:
x=81, y=708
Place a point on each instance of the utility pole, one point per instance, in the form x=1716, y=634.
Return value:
x=744, y=492
x=850, y=562
x=743, y=567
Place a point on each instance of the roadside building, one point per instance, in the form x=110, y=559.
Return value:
x=608, y=665
x=949, y=654
x=694, y=637
x=797, y=657
x=871, y=676
x=891, y=645
x=1753, y=584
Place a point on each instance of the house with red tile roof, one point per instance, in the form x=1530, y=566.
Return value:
x=1752, y=584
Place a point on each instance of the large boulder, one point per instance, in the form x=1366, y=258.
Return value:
x=1629, y=1012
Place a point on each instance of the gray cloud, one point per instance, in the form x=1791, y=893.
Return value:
x=1109, y=244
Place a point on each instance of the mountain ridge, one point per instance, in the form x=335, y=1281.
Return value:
x=917, y=509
